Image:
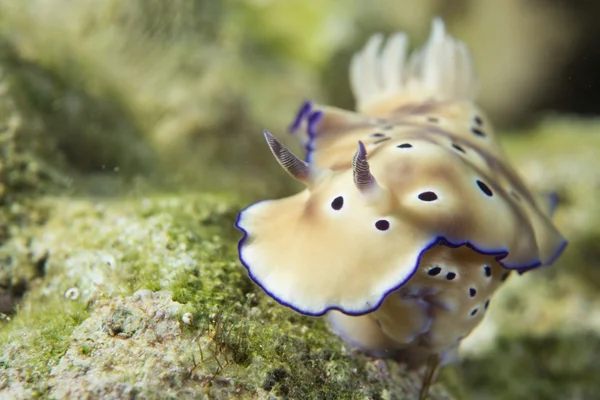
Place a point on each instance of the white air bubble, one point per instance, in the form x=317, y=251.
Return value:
x=72, y=293
x=187, y=318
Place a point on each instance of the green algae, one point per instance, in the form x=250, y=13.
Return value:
x=240, y=340
x=35, y=340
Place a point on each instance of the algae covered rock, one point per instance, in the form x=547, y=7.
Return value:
x=127, y=346
x=146, y=298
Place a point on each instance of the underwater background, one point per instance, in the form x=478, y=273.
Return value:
x=131, y=136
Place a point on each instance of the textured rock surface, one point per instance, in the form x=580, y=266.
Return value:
x=98, y=323
x=127, y=346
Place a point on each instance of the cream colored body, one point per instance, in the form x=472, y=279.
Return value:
x=415, y=167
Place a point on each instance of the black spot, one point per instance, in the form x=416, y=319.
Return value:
x=478, y=120
x=477, y=132
x=487, y=270
x=428, y=196
x=486, y=304
x=485, y=188
x=474, y=311
x=382, y=225
x=504, y=276
x=377, y=134
x=472, y=292
x=450, y=276
x=434, y=271
x=404, y=146
x=457, y=147
x=515, y=195
x=433, y=119
x=337, y=203
x=387, y=128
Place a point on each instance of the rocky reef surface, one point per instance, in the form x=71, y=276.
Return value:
x=145, y=298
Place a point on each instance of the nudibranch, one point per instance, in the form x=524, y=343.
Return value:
x=412, y=215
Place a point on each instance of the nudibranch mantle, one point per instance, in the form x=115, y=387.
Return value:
x=414, y=173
